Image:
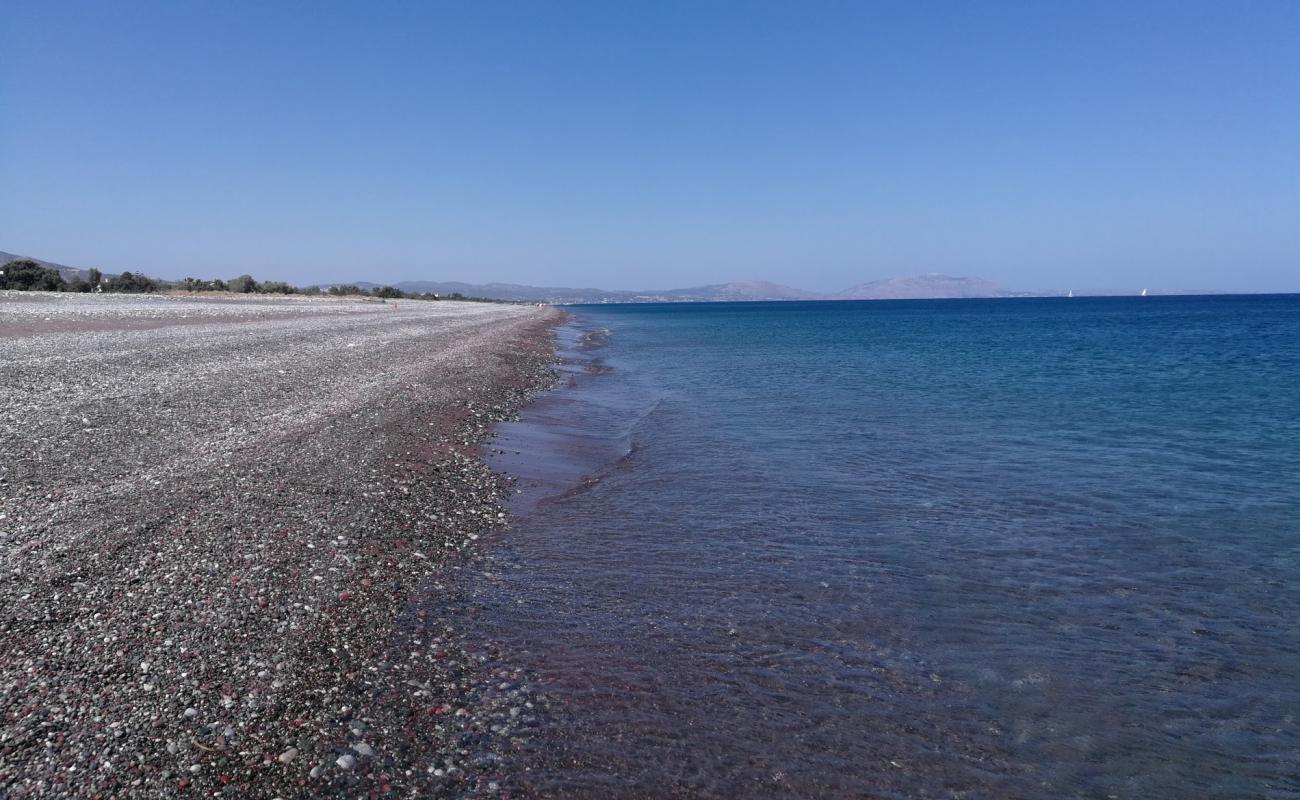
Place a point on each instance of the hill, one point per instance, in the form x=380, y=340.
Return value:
x=64, y=270
x=517, y=292
x=924, y=287
x=917, y=287
x=739, y=291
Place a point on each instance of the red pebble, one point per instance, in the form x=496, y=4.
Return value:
x=345, y=596
x=184, y=782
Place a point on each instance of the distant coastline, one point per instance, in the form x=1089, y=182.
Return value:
x=931, y=286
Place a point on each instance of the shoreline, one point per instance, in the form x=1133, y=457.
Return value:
x=545, y=454
x=214, y=536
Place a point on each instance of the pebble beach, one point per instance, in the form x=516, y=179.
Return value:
x=215, y=514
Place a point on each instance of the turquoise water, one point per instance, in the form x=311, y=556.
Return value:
x=987, y=548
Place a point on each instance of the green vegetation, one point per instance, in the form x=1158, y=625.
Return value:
x=244, y=284
x=27, y=275
x=24, y=274
x=128, y=283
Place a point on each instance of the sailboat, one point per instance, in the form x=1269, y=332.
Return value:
x=1144, y=292
x=1070, y=293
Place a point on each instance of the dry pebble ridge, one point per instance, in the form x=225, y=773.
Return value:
x=211, y=529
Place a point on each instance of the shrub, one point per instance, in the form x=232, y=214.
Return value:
x=347, y=288
x=129, y=283
x=28, y=275
x=243, y=284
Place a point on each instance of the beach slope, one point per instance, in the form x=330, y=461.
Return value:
x=213, y=514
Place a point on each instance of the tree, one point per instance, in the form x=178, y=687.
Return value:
x=94, y=277
x=129, y=283
x=347, y=288
x=29, y=275
x=389, y=293
x=243, y=284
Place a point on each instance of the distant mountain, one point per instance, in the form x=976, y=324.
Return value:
x=518, y=292
x=715, y=293
x=924, y=287
x=740, y=290
x=917, y=287
x=64, y=270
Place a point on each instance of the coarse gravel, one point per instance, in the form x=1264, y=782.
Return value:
x=214, y=516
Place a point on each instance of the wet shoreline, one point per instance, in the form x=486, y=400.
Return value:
x=796, y=558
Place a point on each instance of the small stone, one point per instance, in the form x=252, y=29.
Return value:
x=364, y=749
x=346, y=762
x=191, y=713
x=288, y=755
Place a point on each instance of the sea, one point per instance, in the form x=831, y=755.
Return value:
x=1011, y=548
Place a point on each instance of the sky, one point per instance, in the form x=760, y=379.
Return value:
x=626, y=145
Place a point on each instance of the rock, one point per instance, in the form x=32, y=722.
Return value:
x=288, y=755
x=346, y=762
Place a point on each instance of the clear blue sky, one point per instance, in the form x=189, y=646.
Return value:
x=1041, y=144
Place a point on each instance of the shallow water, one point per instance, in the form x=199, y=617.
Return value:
x=1028, y=548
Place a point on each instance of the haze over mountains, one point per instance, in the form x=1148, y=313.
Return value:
x=916, y=287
